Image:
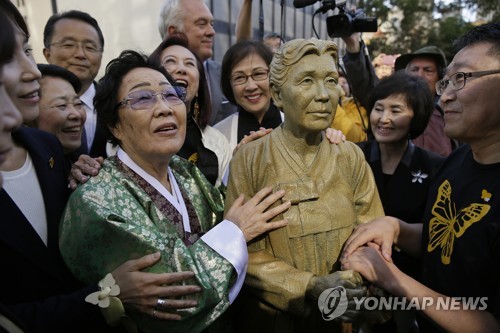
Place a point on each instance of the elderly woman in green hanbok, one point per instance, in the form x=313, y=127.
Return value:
x=145, y=200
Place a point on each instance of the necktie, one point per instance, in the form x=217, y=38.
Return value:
x=84, y=147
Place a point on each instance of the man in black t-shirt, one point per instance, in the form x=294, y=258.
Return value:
x=459, y=239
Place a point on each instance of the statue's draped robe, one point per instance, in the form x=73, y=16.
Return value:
x=111, y=219
x=329, y=198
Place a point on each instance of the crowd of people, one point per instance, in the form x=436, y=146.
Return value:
x=177, y=194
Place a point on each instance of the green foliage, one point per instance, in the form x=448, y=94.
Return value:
x=449, y=30
x=424, y=22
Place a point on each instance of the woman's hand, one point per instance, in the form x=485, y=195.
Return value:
x=83, y=169
x=254, y=135
x=368, y=261
x=251, y=217
x=334, y=136
x=382, y=231
x=140, y=290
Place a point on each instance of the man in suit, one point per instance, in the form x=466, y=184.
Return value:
x=193, y=18
x=74, y=40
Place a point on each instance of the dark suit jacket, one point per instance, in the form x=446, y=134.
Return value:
x=221, y=107
x=35, y=283
x=9, y=323
x=402, y=194
x=98, y=147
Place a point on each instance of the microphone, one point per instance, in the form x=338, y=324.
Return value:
x=303, y=3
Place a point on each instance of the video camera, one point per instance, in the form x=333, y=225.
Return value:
x=346, y=22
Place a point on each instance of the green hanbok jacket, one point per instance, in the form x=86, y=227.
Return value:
x=111, y=219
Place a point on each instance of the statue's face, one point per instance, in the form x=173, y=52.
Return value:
x=310, y=94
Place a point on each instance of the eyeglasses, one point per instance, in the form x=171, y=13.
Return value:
x=77, y=105
x=70, y=46
x=258, y=75
x=457, y=81
x=146, y=99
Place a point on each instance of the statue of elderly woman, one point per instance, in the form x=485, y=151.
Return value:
x=331, y=189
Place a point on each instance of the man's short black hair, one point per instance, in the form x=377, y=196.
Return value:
x=48, y=31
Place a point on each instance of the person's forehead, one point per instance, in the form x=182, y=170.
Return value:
x=196, y=10
x=178, y=51
x=55, y=86
x=143, y=75
x=473, y=58
x=70, y=27
x=423, y=61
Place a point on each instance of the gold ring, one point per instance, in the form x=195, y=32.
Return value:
x=154, y=313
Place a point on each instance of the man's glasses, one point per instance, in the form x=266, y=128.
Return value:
x=146, y=99
x=258, y=75
x=457, y=81
x=70, y=46
x=63, y=106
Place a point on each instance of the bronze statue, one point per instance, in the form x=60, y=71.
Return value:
x=331, y=189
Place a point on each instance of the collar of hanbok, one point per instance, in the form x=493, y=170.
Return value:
x=175, y=198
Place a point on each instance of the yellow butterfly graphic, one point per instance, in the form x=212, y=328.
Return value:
x=446, y=224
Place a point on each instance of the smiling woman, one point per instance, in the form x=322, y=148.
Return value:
x=245, y=82
x=145, y=199
x=61, y=111
x=10, y=118
x=204, y=146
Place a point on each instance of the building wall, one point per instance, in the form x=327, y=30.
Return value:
x=132, y=24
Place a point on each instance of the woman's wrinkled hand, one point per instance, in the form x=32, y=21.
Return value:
x=252, y=216
x=335, y=136
x=254, y=135
x=83, y=169
x=381, y=231
x=141, y=291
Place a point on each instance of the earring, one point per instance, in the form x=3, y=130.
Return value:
x=196, y=110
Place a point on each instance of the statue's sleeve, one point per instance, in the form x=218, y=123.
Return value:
x=278, y=283
x=366, y=198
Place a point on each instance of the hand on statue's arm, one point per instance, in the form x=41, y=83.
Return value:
x=382, y=231
x=335, y=136
x=83, y=169
x=254, y=135
x=252, y=216
x=369, y=263
x=140, y=290
x=386, y=231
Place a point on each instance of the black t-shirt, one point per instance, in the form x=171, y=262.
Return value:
x=461, y=236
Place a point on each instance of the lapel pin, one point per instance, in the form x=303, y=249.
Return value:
x=51, y=162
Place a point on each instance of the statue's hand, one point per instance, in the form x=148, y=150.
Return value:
x=350, y=280
x=352, y=283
